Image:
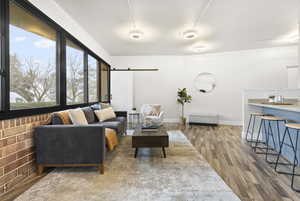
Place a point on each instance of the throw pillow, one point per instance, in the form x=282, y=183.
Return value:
x=111, y=138
x=77, y=117
x=64, y=116
x=104, y=105
x=105, y=114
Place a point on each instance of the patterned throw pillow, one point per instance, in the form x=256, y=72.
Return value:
x=64, y=116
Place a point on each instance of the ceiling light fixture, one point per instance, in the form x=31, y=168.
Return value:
x=192, y=33
x=134, y=33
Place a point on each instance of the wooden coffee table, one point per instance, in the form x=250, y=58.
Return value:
x=150, y=139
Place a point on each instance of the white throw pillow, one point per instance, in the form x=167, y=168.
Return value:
x=77, y=117
x=105, y=114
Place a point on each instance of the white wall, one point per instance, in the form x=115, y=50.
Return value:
x=61, y=17
x=122, y=90
x=234, y=72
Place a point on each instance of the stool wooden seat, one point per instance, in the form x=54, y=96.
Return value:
x=256, y=114
x=272, y=118
x=293, y=125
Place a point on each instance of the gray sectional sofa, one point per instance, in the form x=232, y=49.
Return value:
x=59, y=145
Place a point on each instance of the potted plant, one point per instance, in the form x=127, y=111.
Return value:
x=183, y=98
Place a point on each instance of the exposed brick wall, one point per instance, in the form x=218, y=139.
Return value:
x=17, y=157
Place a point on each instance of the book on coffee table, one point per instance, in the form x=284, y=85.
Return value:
x=150, y=128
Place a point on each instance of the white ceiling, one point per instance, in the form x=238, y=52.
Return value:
x=228, y=25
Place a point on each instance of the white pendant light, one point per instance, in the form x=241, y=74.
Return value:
x=190, y=34
x=136, y=34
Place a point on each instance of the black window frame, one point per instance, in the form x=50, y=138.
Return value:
x=108, y=100
x=85, y=86
x=62, y=35
x=97, y=78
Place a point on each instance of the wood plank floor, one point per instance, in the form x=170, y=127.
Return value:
x=249, y=176
x=247, y=173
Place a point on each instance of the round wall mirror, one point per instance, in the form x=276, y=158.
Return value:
x=205, y=82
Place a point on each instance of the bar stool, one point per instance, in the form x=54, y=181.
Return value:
x=253, y=116
x=266, y=124
x=293, y=126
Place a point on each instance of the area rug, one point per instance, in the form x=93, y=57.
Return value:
x=183, y=176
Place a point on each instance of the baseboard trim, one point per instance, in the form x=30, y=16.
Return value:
x=171, y=121
x=221, y=122
x=231, y=123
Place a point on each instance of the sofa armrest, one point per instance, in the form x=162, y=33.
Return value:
x=70, y=144
x=121, y=113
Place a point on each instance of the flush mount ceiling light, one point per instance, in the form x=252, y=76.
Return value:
x=190, y=34
x=136, y=34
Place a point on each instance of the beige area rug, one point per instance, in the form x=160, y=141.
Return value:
x=183, y=176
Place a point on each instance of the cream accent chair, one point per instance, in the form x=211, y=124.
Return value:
x=152, y=115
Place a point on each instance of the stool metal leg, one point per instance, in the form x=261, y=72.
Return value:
x=257, y=139
x=253, y=126
x=295, y=162
x=249, y=127
x=272, y=135
x=270, y=132
x=280, y=150
x=278, y=133
x=294, y=166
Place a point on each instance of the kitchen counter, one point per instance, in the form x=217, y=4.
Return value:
x=290, y=112
x=295, y=107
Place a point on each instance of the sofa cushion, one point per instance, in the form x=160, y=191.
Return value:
x=77, y=117
x=89, y=114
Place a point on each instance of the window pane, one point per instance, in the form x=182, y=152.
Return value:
x=92, y=79
x=104, y=82
x=32, y=61
x=75, y=73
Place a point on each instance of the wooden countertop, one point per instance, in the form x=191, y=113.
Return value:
x=292, y=108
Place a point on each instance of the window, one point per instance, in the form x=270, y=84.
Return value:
x=32, y=61
x=75, y=73
x=104, y=82
x=93, y=79
x=43, y=68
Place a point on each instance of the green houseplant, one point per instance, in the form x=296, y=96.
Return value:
x=183, y=98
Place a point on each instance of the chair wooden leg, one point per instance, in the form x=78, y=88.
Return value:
x=40, y=169
x=101, y=168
